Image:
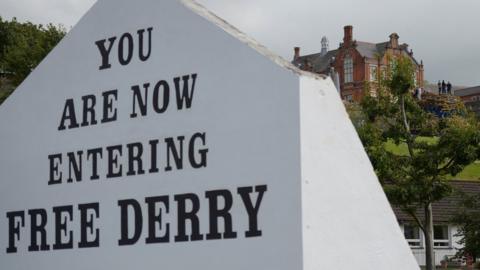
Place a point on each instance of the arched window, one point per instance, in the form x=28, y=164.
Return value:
x=348, y=69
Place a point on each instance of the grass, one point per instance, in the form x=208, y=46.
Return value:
x=471, y=172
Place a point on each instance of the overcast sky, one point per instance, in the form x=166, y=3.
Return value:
x=444, y=34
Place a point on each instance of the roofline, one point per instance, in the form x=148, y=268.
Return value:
x=458, y=92
x=314, y=54
x=466, y=180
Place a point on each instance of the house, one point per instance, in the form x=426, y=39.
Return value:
x=354, y=63
x=471, y=97
x=444, y=231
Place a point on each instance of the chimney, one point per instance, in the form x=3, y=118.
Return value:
x=296, y=54
x=347, y=34
x=394, y=40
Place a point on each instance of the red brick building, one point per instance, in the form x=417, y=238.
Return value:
x=356, y=62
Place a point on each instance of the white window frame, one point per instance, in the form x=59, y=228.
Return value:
x=418, y=242
x=348, y=69
x=442, y=243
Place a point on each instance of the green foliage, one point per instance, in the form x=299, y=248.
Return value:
x=22, y=47
x=468, y=220
x=418, y=176
x=401, y=79
x=470, y=172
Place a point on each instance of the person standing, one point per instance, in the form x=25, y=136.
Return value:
x=444, y=87
x=439, y=87
x=449, y=88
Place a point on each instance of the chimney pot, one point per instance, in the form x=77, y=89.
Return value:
x=296, y=53
x=394, y=40
x=348, y=34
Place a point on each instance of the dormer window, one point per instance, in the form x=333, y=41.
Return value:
x=348, y=69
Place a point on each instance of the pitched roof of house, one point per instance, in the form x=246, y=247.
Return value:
x=467, y=91
x=320, y=63
x=371, y=50
x=445, y=209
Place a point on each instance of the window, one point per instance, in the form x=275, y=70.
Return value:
x=412, y=235
x=441, y=236
x=373, y=73
x=348, y=69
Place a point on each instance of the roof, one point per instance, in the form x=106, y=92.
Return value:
x=371, y=50
x=467, y=91
x=445, y=209
x=320, y=63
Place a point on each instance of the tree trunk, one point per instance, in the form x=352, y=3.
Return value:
x=429, y=255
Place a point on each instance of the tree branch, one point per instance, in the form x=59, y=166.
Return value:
x=417, y=220
x=448, y=164
x=406, y=125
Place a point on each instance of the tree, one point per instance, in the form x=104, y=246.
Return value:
x=436, y=147
x=22, y=47
x=468, y=220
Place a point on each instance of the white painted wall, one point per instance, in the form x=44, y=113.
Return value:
x=267, y=123
x=347, y=221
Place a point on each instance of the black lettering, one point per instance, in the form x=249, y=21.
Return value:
x=153, y=158
x=38, y=220
x=203, y=152
x=252, y=210
x=61, y=227
x=121, y=51
x=94, y=153
x=55, y=175
x=154, y=219
x=140, y=41
x=142, y=102
x=109, y=112
x=14, y=229
x=88, y=213
x=135, y=151
x=137, y=230
x=76, y=165
x=166, y=96
x=215, y=213
x=177, y=155
x=104, y=52
x=184, y=95
x=184, y=215
x=89, y=108
x=114, y=168
x=68, y=114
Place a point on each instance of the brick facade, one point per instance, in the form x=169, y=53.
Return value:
x=366, y=57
